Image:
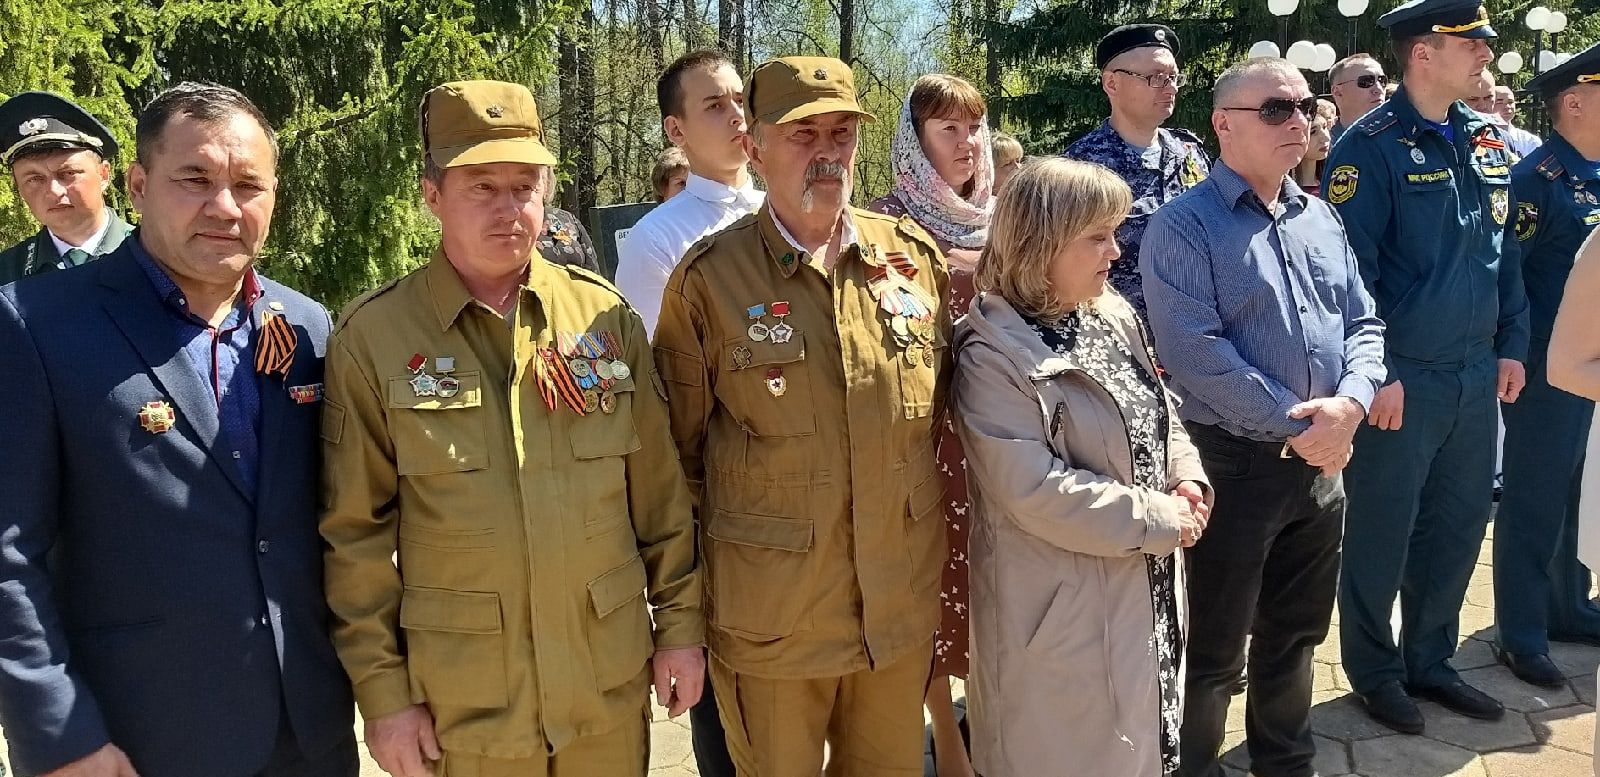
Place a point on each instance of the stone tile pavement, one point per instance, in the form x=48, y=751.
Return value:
x=1545, y=733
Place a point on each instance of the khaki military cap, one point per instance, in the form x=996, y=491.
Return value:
x=792, y=88
x=479, y=122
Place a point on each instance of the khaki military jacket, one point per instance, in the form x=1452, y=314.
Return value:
x=527, y=537
x=810, y=461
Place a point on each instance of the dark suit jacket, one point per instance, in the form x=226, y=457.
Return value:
x=148, y=599
x=38, y=254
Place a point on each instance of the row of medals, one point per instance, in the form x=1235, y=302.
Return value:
x=915, y=338
x=424, y=384
x=595, y=377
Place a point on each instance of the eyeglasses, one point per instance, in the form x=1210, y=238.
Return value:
x=1277, y=110
x=1366, y=81
x=1157, y=80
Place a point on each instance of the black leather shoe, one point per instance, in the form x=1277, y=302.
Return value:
x=1390, y=706
x=1462, y=699
x=1534, y=669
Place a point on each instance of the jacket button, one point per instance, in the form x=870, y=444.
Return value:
x=265, y=621
x=261, y=546
x=1304, y=309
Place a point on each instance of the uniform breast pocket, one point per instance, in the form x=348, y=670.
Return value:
x=1427, y=200
x=435, y=434
x=601, y=442
x=767, y=386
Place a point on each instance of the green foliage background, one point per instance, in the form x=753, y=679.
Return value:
x=341, y=80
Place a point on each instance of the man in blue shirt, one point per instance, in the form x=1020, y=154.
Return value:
x=1357, y=83
x=1139, y=73
x=1423, y=185
x=163, y=607
x=1540, y=590
x=1269, y=337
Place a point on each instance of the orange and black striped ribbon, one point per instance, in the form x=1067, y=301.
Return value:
x=566, y=385
x=541, y=372
x=275, y=343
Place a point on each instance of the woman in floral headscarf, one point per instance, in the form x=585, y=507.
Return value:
x=944, y=174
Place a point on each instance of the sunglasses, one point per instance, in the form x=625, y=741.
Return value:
x=1277, y=110
x=1157, y=80
x=1367, y=81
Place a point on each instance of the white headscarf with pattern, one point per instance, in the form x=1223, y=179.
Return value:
x=929, y=200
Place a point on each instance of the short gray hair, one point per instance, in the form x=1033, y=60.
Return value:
x=1234, y=78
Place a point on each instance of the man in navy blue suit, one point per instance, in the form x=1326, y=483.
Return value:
x=160, y=570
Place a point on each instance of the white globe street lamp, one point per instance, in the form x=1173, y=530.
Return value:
x=1302, y=54
x=1537, y=18
x=1265, y=48
x=1556, y=23
x=1510, y=62
x=1326, y=56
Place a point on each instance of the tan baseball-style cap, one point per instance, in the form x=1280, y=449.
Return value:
x=479, y=122
x=791, y=88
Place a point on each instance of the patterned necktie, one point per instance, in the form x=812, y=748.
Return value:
x=77, y=257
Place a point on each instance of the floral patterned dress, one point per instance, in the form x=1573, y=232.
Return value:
x=1092, y=342
x=950, y=645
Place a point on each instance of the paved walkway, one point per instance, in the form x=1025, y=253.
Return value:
x=1544, y=733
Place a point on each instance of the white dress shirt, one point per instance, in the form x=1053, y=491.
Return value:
x=654, y=246
x=90, y=246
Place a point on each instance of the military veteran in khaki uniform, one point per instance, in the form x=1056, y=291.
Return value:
x=497, y=422
x=804, y=353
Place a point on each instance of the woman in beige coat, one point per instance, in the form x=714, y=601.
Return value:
x=1084, y=485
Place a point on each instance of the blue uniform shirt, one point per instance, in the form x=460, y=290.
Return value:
x=1155, y=178
x=1558, y=205
x=223, y=358
x=1256, y=312
x=1429, y=220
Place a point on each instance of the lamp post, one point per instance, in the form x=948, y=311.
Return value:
x=1282, y=9
x=1351, y=9
x=1537, y=20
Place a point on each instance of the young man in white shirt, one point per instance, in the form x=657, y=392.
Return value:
x=702, y=112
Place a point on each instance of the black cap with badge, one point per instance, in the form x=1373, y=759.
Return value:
x=1461, y=18
x=1134, y=36
x=44, y=121
x=1583, y=68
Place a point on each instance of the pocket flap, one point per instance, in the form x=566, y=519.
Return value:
x=469, y=393
x=793, y=534
x=617, y=587
x=438, y=609
x=765, y=352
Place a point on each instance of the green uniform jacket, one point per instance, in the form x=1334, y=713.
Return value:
x=38, y=254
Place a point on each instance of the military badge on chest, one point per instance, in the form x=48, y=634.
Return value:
x=157, y=417
x=582, y=372
x=908, y=306
x=438, y=383
x=1500, y=204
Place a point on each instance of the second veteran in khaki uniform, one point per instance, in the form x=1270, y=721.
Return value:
x=804, y=352
x=497, y=421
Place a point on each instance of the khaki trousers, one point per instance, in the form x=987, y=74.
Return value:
x=622, y=752
x=871, y=721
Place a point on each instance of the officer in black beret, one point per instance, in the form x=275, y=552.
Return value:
x=1139, y=73
x=59, y=157
x=1541, y=592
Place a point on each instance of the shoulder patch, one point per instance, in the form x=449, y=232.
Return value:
x=356, y=304
x=1527, y=220
x=1342, y=183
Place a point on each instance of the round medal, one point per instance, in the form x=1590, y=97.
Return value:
x=927, y=357
x=1417, y=155
x=759, y=331
x=608, y=403
x=602, y=367
x=580, y=367
x=910, y=355
x=620, y=371
x=449, y=387
x=591, y=400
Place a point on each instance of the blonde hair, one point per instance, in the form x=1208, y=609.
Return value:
x=1006, y=150
x=941, y=96
x=1044, y=207
x=669, y=162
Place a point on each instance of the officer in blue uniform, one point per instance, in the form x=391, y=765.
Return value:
x=1540, y=590
x=1423, y=184
x=1139, y=73
x=59, y=157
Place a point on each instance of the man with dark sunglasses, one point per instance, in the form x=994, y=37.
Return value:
x=1423, y=184
x=1358, y=83
x=1274, y=345
x=1139, y=73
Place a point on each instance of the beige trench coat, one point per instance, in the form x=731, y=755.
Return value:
x=1064, y=675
